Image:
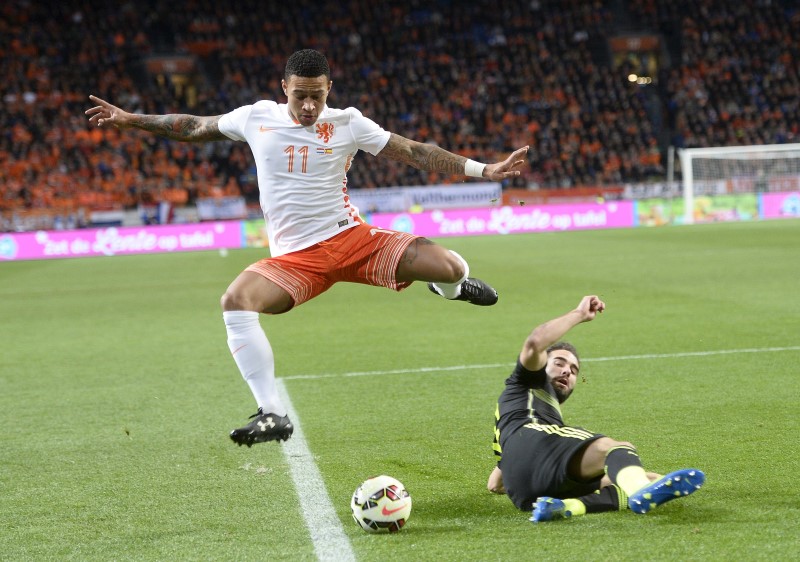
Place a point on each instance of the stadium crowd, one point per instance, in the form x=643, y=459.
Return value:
x=737, y=78
x=478, y=78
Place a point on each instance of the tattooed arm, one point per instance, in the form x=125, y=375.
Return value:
x=426, y=157
x=434, y=159
x=174, y=126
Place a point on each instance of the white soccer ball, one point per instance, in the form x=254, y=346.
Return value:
x=381, y=504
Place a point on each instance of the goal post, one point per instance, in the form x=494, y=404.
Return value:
x=737, y=169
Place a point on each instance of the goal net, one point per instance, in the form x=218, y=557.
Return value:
x=737, y=169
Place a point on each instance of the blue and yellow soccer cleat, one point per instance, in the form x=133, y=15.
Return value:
x=547, y=509
x=672, y=486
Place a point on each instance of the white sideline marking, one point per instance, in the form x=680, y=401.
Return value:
x=327, y=534
x=587, y=360
x=697, y=353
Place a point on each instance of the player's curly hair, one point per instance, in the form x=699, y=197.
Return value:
x=565, y=346
x=307, y=63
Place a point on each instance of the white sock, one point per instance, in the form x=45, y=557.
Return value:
x=452, y=290
x=253, y=355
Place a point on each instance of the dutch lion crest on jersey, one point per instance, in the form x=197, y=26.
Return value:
x=324, y=131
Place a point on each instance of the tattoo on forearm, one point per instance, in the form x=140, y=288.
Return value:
x=181, y=127
x=439, y=160
x=423, y=156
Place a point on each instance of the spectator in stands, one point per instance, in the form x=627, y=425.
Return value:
x=490, y=78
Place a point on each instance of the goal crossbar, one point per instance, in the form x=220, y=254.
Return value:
x=753, y=153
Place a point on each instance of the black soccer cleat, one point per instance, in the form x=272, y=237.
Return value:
x=265, y=427
x=474, y=291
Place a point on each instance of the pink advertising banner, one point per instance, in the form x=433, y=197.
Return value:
x=117, y=241
x=508, y=220
x=780, y=205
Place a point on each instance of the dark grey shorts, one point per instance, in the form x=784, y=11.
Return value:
x=535, y=463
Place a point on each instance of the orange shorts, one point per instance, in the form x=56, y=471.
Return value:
x=361, y=254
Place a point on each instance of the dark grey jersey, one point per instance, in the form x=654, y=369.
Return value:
x=527, y=398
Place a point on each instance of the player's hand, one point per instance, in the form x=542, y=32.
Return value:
x=104, y=114
x=495, y=483
x=590, y=306
x=508, y=168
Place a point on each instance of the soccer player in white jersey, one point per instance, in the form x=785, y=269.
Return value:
x=303, y=149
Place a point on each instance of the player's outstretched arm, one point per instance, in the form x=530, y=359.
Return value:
x=175, y=126
x=435, y=159
x=534, y=351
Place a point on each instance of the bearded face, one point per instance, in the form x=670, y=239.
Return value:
x=562, y=373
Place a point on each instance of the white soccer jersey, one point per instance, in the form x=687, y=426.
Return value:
x=302, y=170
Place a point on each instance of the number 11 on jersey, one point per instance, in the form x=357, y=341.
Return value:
x=303, y=151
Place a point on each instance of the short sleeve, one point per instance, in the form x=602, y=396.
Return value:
x=370, y=137
x=524, y=377
x=232, y=124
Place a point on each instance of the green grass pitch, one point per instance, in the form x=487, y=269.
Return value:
x=117, y=392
